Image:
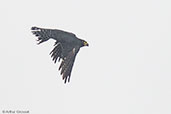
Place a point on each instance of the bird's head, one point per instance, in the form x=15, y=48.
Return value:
x=84, y=43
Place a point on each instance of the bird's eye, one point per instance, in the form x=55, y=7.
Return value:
x=85, y=43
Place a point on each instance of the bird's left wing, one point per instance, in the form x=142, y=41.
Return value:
x=67, y=64
x=44, y=34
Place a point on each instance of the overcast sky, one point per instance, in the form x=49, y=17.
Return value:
x=125, y=70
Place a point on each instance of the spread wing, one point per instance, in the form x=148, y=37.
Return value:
x=45, y=34
x=67, y=64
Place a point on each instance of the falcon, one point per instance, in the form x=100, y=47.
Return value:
x=66, y=47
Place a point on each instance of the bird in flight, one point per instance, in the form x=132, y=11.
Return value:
x=66, y=47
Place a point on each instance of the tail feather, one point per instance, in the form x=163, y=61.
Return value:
x=56, y=52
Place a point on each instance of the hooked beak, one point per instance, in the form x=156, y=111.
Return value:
x=86, y=44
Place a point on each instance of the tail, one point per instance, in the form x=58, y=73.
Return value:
x=42, y=34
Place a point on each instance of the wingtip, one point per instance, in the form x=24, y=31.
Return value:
x=64, y=78
x=34, y=28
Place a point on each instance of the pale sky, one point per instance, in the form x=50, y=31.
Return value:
x=125, y=70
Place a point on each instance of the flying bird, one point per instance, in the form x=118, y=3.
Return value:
x=66, y=47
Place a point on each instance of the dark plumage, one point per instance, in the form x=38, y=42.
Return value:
x=66, y=48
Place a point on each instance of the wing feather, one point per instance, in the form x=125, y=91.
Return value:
x=44, y=34
x=67, y=65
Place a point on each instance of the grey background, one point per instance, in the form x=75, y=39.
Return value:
x=125, y=70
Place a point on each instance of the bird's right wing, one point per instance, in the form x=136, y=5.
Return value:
x=67, y=64
x=45, y=34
